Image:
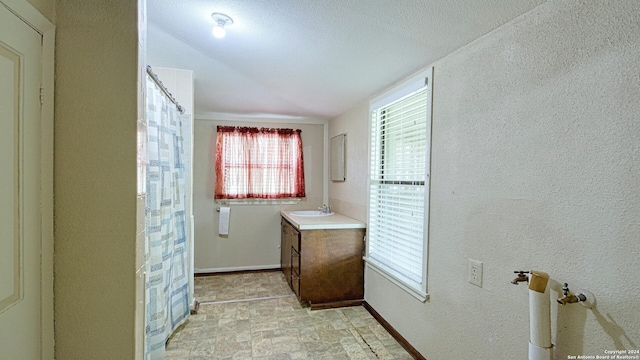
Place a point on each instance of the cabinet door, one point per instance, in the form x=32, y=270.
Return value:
x=285, y=250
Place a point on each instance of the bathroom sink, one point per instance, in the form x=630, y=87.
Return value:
x=310, y=213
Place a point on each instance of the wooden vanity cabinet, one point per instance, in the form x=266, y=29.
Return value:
x=324, y=267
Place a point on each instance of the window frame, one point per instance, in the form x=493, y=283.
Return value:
x=407, y=87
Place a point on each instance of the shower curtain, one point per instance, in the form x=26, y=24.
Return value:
x=166, y=247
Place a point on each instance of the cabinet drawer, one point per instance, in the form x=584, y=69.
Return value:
x=295, y=262
x=295, y=271
x=295, y=284
x=295, y=239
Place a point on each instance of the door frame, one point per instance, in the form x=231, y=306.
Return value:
x=27, y=13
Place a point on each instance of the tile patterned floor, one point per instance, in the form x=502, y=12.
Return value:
x=231, y=324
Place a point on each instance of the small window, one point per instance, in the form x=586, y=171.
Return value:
x=400, y=142
x=259, y=163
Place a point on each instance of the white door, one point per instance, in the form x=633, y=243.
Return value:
x=20, y=190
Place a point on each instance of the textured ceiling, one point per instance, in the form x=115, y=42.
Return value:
x=311, y=58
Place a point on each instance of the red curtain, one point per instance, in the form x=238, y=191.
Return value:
x=258, y=163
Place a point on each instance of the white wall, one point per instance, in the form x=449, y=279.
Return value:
x=535, y=164
x=45, y=7
x=254, y=230
x=350, y=197
x=179, y=82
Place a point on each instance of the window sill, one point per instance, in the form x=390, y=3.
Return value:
x=291, y=201
x=420, y=295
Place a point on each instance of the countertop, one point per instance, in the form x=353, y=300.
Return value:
x=335, y=221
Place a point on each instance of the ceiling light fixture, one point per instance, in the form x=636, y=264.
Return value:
x=221, y=20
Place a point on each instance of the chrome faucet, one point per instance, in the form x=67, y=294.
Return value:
x=326, y=209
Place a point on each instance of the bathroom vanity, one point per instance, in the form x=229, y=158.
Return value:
x=321, y=257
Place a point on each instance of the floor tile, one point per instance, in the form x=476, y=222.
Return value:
x=255, y=316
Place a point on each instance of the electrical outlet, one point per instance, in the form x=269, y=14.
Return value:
x=475, y=272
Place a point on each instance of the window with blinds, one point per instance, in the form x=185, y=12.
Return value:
x=399, y=188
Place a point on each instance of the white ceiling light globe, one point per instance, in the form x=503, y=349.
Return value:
x=221, y=20
x=219, y=31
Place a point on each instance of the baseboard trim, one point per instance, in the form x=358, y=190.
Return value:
x=335, y=304
x=396, y=335
x=227, y=271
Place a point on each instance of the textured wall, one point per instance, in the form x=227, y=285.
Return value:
x=350, y=197
x=254, y=230
x=96, y=109
x=535, y=165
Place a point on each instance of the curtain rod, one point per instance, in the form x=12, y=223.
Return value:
x=156, y=80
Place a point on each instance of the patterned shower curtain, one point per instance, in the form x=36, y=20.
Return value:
x=166, y=248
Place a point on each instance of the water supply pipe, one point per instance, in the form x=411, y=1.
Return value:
x=540, y=347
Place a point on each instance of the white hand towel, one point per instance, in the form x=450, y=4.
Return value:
x=223, y=225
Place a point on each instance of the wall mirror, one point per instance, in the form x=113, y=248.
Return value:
x=337, y=157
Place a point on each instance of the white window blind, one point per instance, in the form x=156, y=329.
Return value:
x=399, y=187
